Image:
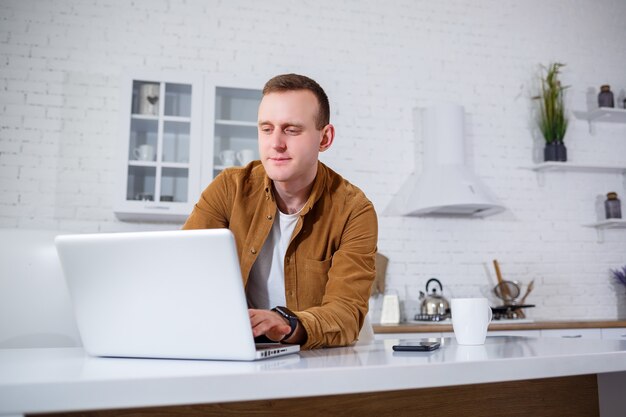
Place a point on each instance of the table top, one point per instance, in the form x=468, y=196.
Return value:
x=67, y=379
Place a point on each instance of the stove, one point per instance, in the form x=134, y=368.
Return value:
x=432, y=317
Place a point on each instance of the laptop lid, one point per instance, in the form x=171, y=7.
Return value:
x=170, y=294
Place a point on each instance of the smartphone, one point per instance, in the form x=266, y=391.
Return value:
x=416, y=346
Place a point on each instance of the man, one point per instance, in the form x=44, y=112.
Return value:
x=306, y=237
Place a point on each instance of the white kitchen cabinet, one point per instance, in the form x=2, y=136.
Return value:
x=614, y=333
x=178, y=131
x=414, y=335
x=231, y=124
x=528, y=333
x=160, y=146
x=573, y=333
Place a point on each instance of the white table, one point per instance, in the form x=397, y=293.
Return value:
x=57, y=380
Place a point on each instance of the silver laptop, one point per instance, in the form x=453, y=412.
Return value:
x=174, y=294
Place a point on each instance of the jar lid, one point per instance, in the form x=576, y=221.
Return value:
x=612, y=195
x=605, y=87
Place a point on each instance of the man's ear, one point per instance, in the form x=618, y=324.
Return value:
x=328, y=136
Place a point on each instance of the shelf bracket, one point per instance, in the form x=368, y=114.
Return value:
x=541, y=178
x=600, y=234
x=592, y=128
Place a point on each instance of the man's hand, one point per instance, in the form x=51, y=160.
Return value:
x=268, y=323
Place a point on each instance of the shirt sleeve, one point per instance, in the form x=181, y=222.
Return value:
x=338, y=320
x=211, y=211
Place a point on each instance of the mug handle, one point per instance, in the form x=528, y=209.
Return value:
x=490, y=315
x=136, y=153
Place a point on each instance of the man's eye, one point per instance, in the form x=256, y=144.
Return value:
x=266, y=130
x=292, y=131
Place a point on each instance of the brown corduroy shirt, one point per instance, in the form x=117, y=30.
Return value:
x=330, y=261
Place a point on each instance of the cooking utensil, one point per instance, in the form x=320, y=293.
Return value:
x=500, y=280
x=507, y=291
x=433, y=303
x=529, y=289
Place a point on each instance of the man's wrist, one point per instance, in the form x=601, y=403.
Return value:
x=290, y=317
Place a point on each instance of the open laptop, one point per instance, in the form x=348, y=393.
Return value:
x=173, y=294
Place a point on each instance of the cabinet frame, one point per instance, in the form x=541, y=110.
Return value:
x=212, y=83
x=155, y=210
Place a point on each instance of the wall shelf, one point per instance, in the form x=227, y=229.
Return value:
x=543, y=167
x=602, y=225
x=568, y=166
x=602, y=115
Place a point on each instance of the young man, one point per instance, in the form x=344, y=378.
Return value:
x=306, y=237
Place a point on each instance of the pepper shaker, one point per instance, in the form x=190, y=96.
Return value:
x=605, y=98
x=612, y=206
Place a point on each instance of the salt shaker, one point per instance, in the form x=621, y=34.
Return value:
x=605, y=98
x=612, y=206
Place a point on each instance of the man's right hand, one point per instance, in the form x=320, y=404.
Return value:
x=268, y=323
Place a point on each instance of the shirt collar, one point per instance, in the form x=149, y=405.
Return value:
x=316, y=192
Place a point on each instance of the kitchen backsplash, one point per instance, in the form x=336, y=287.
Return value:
x=60, y=82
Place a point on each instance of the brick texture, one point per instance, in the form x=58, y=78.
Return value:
x=60, y=69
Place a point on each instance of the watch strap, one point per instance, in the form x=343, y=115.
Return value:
x=290, y=317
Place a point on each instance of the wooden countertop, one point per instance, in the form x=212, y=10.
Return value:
x=414, y=327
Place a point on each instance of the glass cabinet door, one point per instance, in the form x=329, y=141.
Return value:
x=235, y=127
x=160, y=143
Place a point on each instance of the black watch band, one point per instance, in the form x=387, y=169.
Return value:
x=289, y=316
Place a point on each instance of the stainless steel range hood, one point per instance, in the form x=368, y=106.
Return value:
x=446, y=186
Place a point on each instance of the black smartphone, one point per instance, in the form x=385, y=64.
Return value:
x=416, y=346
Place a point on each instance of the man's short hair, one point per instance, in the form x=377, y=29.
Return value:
x=294, y=82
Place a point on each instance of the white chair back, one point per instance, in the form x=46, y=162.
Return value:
x=35, y=307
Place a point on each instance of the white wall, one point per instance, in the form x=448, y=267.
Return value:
x=61, y=61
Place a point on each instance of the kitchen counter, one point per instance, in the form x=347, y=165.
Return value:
x=507, y=371
x=426, y=327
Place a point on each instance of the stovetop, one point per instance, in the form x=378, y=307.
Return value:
x=449, y=321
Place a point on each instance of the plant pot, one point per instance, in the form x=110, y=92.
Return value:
x=549, y=152
x=561, y=152
x=555, y=151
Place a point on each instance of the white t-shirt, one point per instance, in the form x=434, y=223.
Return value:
x=266, y=285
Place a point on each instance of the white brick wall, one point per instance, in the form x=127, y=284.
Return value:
x=60, y=64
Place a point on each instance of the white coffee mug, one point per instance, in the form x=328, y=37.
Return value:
x=144, y=153
x=470, y=320
x=245, y=156
x=227, y=157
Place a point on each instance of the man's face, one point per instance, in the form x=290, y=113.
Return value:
x=289, y=142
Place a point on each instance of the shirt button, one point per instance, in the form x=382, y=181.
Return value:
x=253, y=251
x=269, y=217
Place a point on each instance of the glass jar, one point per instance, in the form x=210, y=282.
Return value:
x=605, y=98
x=612, y=206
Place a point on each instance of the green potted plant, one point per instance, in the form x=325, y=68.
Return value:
x=551, y=119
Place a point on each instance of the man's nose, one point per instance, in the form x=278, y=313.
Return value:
x=277, y=140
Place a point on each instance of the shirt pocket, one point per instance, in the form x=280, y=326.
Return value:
x=314, y=284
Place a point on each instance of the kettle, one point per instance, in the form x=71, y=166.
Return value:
x=434, y=303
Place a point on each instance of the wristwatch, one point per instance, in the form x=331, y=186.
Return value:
x=289, y=316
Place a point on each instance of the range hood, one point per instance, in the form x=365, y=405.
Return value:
x=446, y=185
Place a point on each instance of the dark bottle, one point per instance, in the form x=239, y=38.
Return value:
x=612, y=206
x=605, y=98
